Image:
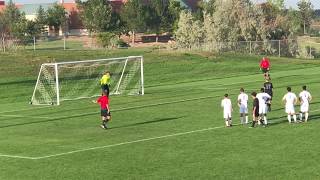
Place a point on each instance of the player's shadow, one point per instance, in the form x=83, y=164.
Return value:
x=148, y=122
x=283, y=119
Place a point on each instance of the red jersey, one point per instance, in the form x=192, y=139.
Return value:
x=265, y=64
x=104, y=102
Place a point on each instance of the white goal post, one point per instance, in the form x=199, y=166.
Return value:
x=73, y=80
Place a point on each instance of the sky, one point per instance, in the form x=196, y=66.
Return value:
x=289, y=3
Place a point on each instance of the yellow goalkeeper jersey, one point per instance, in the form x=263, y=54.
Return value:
x=105, y=80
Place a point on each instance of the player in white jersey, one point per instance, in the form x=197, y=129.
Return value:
x=304, y=99
x=263, y=108
x=227, y=110
x=243, y=105
x=290, y=99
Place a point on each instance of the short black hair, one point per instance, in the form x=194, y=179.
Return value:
x=304, y=87
x=241, y=90
x=262, y=89
x=226, y=95
x=289, y=89
x=254, y=94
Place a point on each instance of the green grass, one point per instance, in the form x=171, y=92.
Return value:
x=183, y=94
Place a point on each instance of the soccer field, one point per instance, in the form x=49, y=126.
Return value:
x=174, y=131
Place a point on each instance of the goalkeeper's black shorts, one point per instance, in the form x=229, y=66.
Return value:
x=105, y=88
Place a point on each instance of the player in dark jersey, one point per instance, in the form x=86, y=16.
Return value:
x=255, y=111
x=268, y=88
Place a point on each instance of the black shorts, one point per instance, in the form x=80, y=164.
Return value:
x=264, y=70
x=256, y=113
x=105, y=88
x=105, y=112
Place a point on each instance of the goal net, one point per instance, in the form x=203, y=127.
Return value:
x=63, y=81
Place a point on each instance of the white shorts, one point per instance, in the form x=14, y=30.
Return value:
x=227, y=114
x=290, y=109
x=243, y=109
x=304, y=107
x=263, y=109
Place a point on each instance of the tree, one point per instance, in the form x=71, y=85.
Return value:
x=306, y=13
x=134, y=14
x=10, y=17
x=279, y=4
x=209, y=6
x=166, y=15
x=56, y=17
x=96, y=15
x=41, y=19
x=189, y=33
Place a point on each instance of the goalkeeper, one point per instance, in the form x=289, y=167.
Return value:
x=105, y=83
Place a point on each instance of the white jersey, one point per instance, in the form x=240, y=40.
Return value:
x=263, y=98
x=227, y=108
x=290, y=99
x=305, y=96
x=243, y=99
x=243, y=103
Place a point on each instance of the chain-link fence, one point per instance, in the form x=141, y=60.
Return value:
x=49, y=43
x=303, y=47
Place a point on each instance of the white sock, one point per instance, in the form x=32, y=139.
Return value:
x=265, y=120
x=247, y=119
x=230, y=122
x=295, y=118
x=300, y=116
x=241, y=120
x=306, y=115
x=227, y=123
x=289, y=118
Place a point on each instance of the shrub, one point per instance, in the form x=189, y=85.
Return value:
x=107, y=39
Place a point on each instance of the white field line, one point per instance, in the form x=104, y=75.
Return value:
x=17, y=157
x=113, y=145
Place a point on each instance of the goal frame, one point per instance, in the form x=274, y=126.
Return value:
x=56, y=72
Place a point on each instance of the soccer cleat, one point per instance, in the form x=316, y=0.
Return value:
x=103, y=126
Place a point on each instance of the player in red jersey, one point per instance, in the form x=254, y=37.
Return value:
x=265, y=67
x=105, y=111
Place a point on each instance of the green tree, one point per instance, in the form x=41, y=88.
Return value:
x=10, y=17
x=209, y=6
x=96, y=15
x=167, y=14
x=189, y=33
x=306, y=14
x=41, y=19
x=279, y=4
x=135, y=16
x=133, y=13
x=56, y=17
